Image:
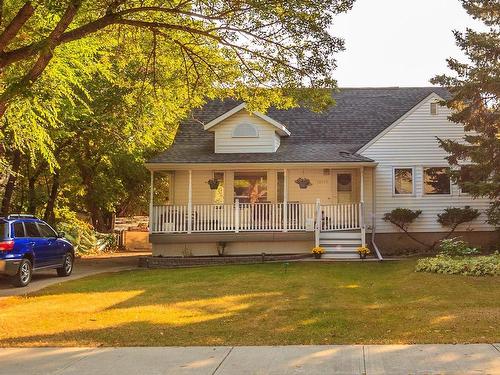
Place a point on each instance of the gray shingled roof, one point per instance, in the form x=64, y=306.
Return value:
x=331, y=136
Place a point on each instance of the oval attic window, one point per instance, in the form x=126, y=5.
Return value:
x=245, y=130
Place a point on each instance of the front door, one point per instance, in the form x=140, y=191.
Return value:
x=344, y=187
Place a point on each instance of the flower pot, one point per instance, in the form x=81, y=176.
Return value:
x=303, y=182
x=214, y=184
x=317, y=256
x=362, y=256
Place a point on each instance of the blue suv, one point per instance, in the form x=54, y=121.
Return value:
x=28, y=244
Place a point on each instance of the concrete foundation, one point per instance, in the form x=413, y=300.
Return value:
x=204, y=244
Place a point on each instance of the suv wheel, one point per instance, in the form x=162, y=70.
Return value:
x=24, y=273
x=67, y=267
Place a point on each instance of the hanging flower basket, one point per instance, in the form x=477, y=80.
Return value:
x=213, y=183
x=303, y=182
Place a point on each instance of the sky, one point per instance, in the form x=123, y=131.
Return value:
x=398, y=42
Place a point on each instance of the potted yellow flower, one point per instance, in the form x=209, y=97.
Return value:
x=363, y=251
x=318, y=251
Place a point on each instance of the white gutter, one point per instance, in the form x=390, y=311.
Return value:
x=253, y=166
x=374, y=211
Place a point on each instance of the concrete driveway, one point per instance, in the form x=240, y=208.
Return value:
x=245, y=360
x=83, y=267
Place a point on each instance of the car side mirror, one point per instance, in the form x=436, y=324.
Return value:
x=61, y=235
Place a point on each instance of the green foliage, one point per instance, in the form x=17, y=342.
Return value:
x=468, y=266
x=402, y=217
x=454, y=216
x=455, y=247
x=265, y=53
x=116, y=88
x=475, y=102
x=83, y=237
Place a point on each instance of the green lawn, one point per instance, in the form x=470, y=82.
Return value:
x=304, y=303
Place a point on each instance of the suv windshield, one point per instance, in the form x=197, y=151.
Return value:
x=3, y=230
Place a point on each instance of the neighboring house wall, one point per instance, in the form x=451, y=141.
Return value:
x=267, y=140
x=412, y=143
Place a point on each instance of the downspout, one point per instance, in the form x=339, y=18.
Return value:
x=374, y=211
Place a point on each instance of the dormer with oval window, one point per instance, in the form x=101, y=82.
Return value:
x=241, y=131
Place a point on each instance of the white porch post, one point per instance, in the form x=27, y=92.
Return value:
x=317, y=227
x=285, y=200
x=237, y=216
x=151, y=196
x=362, y=207
x=190, y=202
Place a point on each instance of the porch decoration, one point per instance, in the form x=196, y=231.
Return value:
x=303, y=182
x=213, y=183
x=363, y=251
x=317, y=251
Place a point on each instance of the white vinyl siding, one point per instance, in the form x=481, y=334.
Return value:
x=413, y=143
x=225, y=141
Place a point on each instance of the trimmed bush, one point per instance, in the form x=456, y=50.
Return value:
x=469, y=266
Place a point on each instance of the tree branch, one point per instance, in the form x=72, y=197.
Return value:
x=43, y=59
x=16, y=24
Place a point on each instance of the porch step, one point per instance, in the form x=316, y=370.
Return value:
x=341, y=235
x=340, y=255
x=347, y=242
x=340, y=244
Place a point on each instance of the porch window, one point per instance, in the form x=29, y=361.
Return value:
x=250, y=187
x=280, y=186
x=437, y=180
x=219, y=192
x=403, y=181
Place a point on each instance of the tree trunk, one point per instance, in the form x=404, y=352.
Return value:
x=49, y=215
x=31, y=195
x=11, y=183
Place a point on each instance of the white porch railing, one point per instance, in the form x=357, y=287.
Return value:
x=254, y=217
x=340, y=216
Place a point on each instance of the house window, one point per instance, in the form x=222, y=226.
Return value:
x=434, y=108
x=437, y=180
x=245, y=130
x=465, y=177
x=250, y=187
x=403, y=181
x=219, y=192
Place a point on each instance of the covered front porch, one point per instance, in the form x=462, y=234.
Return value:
x=242, y=198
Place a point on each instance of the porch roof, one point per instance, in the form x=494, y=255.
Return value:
x=334, y=135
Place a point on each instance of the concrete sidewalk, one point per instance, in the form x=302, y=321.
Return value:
x=309, y=360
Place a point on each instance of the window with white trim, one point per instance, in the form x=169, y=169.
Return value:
x=437, y=181
x=434, y=108
x=245, y=130
x=403, y=181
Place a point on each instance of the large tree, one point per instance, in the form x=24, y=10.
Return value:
x=475, y=92
x=186, y=51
